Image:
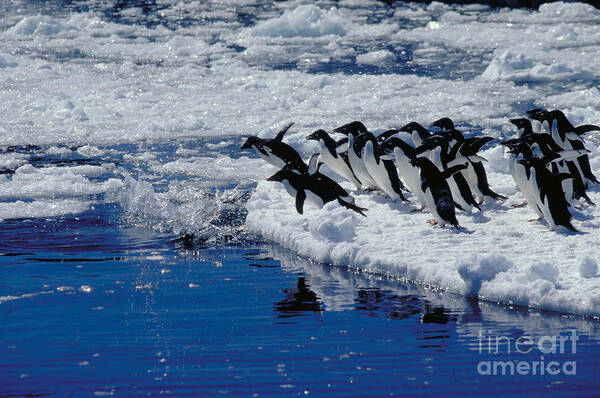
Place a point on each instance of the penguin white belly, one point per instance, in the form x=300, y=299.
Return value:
x=314, y=199
x=270, y=157
x=338, y=165
x=456, y=195
x=290, y=190
x=472, y=180
x=361, y=171
x=548, y=214
x=567, y=184
x=527, y=189
x=430, y=201
x=410, y=175
x=378, y=171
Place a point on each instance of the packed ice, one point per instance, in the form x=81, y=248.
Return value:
x=151, y=116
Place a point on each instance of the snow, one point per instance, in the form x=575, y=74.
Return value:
x=120, y=94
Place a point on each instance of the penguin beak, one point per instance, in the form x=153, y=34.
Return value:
x=247, y=144
x=273, y=178
x=312, y=136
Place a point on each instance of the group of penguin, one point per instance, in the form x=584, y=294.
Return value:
x=439, y=165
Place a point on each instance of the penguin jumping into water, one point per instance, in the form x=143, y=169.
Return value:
x=338, y=162
x=317, y=188
x=277, y=152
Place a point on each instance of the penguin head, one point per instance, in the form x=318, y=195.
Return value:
x=563, y=123
x=251, y=141
x=414, y=126
x=522, y=124
x=281, y=175
x=317, y=135
x=445, y=124
x=538, y=114
x=354, y=127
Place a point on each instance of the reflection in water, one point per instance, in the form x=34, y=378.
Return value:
x=376, y=302
x=437, y=314
x=341, y=288
x=298, y=300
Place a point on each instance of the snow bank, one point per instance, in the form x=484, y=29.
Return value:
x=499, y=256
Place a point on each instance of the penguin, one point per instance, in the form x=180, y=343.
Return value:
x=404, y=153
x=337, y=162
x=356, y=127
x=523, y=125
x=552, y=201
x=441, y=157
x=276, y=152
x=558, y=130
x=317, y=188
x=572, y=141
x=382, y=170
x=417, y=132
x=355, y=147
x=437, y=192
x=475, y=173
x=522, y=175
x=444, y=124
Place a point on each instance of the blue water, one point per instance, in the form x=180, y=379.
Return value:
x=95, y=305
x=137, y=313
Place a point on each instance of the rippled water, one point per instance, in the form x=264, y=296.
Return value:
x=125, y=267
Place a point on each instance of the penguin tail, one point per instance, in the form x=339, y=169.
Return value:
x=570, y=227
x=353, y=207
x=494, y=195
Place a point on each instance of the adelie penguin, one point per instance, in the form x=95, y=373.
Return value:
x=556, y=126
x=443, y=157
x=417, y=132
x=334, y=158
x=404, y=153
x=475, y=173
x=317, y=188
x=552, y=201
x=382, y=170
x=277, y=152
x=437, y=192
x=569, y=136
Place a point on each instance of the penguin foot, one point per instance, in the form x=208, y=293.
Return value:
x=516, y=205
x=432, y=222
x=417, y=209
x=536, y=219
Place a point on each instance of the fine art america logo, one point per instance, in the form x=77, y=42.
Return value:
x=548, y=362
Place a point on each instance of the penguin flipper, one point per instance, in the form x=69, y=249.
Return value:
x=351, y=206
x=397, y=185
x=279, y=136
x=579, y=130
x=452, y=170
x=483, y=184
x=300, y=198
